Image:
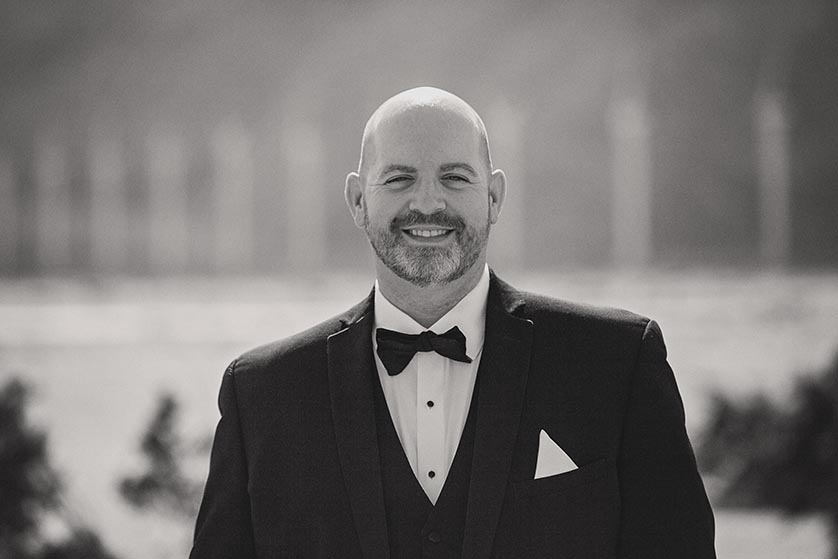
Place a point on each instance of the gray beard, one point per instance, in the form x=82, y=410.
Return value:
x=428, y=266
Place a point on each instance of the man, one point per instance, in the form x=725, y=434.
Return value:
x=448, y=414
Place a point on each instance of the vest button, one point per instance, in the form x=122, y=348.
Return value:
x=434, y=537
x=431, y=473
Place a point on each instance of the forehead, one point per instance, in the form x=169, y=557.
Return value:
x=425, y=136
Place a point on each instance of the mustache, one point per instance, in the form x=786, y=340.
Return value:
x=440, y=219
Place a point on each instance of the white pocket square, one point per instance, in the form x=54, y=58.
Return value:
x=552, y=459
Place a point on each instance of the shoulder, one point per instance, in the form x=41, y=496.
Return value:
x=304, y=350
x=582, y=315
x=295, y=347
x=610, y=330
x=547, y=309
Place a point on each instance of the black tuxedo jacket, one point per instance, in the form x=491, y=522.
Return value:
x=295, y=469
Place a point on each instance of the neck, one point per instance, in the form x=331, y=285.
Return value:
x=426, y=305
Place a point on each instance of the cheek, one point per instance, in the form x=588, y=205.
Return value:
x=379, y=210
x=474, y=208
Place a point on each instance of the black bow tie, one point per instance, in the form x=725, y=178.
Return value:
x=397, y=349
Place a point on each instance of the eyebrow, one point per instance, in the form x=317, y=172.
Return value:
x=452, y=166
x=397, y=168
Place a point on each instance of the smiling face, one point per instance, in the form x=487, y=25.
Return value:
x=426, y=194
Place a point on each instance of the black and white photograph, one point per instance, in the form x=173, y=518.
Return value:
x=479, y=279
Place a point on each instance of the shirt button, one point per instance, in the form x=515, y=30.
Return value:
x=434, y=537
x=430, y=403
x=431, y=473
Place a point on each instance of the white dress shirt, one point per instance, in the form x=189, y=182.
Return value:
x=429, y=400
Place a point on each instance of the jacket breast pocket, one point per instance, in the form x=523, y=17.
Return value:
x=574, y=514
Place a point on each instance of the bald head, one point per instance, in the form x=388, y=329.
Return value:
x=422, y=112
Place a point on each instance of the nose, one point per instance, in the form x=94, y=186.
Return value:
x=427, y=197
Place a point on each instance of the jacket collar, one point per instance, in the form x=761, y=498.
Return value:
x=502, y=380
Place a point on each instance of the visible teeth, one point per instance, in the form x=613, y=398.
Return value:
x=427, y=232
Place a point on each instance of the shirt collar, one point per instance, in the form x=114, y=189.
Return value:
x=469, y=315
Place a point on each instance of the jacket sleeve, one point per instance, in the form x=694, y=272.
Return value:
x=664, y=508
x=223, y=528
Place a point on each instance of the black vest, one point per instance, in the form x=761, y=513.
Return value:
x=416, y=528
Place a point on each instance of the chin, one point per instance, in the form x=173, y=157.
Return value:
x=441, y=274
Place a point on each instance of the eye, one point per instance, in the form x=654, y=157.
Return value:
x=455, y=178
x=398, y=179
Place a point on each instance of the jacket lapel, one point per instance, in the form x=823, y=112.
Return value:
x=353, y=412
x=502, y=379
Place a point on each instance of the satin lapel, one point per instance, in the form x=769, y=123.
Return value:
x=350, y=375
x=502, y=378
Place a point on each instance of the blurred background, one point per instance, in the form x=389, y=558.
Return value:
x=171, y=179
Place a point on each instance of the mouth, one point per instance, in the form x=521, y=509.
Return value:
x=427, y=233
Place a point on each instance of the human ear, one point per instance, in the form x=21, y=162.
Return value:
x=497, y=194
x=354, y=195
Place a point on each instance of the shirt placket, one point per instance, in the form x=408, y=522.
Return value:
x=430, y=423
